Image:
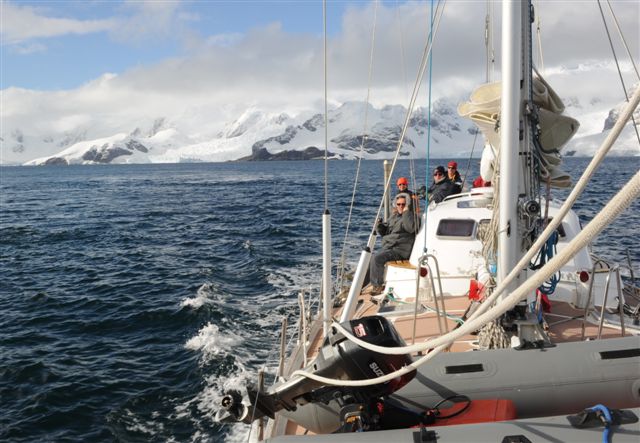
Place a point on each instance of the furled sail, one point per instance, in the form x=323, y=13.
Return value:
x=555, y=128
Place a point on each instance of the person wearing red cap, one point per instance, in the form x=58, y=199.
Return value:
x=403, y=188
x=454, y=177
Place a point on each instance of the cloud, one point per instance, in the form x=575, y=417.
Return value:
x=141, y=21
x=23, y=23
x=218, y=76
x=132, y=22
x=28, y=48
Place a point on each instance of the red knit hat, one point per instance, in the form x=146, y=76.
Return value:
x=453, y=165
x=402, y=181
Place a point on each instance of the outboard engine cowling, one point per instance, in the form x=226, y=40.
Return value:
x=339, y=358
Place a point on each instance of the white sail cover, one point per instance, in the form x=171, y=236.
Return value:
x=556, y=129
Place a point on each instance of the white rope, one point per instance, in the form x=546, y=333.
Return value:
x=612, y=210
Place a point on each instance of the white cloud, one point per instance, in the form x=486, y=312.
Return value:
x=24, y=23
x=141, y=21
x=28, y=48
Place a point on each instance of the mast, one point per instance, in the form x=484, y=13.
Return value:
x=509, y=138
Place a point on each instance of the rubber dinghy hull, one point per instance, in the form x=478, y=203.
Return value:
x=564, y=379
x=541, y=382
x=548, y=429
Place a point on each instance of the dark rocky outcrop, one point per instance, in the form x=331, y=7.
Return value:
x=262, y=154
x=104, y=154
x=56, y=161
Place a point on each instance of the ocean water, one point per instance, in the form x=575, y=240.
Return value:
x=133, y=295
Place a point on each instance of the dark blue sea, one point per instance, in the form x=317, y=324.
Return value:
x=132, y=295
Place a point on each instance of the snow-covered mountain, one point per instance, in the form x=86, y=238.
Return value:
x=257, y=133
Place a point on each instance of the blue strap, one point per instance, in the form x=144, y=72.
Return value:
x=605, y=416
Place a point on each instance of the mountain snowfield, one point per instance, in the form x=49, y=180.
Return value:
x=189, y=136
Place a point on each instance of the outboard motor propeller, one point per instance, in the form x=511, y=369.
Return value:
x=233, y=410
x=338, y=358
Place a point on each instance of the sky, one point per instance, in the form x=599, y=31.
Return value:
x=68, y=65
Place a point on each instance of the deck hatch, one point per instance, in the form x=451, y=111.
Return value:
x=464, y=369
x=621, y=353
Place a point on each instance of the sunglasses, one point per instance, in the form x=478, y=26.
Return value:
x=401, y=204
x=402, y=184
x=437, y=174
x=450, y=167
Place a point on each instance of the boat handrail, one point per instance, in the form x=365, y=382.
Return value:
x=621, y=301
x=424, y=261
x=616, y=268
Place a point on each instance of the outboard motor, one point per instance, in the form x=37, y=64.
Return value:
x=338, y=358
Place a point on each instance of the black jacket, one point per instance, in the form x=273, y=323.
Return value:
x=438, y=191
x=457, y=183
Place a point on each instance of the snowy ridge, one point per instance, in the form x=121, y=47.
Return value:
x=164, y=139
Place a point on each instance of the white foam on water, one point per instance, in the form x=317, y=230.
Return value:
x=203, y=296
x=211, y=342
x=134, y=424
x=215, y=343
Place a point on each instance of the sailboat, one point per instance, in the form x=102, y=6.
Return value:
x=423, y=362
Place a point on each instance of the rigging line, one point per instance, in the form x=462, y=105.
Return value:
x=473, y=147
x=402, y=54
x=426, y=54
x=488, y=42
x=615, y=57
x=363, y=141
x=532, y=187
x=427, y=159
x=624, y=42
x=539, y=37
x=326, y=112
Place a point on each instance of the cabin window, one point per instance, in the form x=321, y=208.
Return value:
x=459, y=228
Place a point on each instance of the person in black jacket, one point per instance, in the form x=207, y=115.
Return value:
x=454, y=177
x=441, y=186
x=398, y=234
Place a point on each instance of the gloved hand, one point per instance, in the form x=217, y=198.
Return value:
x=382, y=228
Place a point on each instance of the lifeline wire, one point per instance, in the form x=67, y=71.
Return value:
x=426, y=178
